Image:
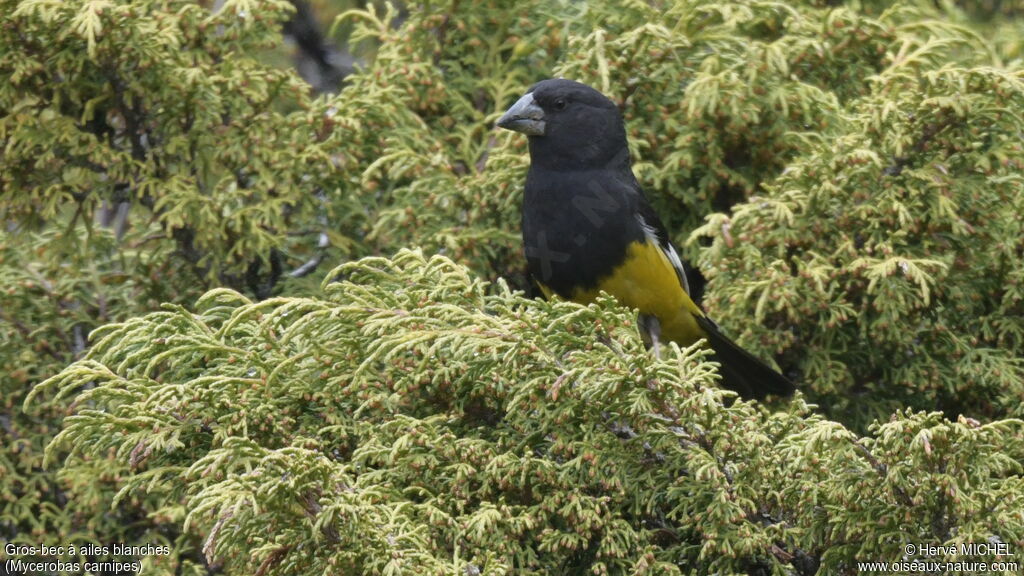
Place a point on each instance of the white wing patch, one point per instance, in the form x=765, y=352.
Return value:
x=649, y=232
x=678, y=265
x=673, y=257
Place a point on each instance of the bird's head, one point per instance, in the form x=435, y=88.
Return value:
x=569, y=125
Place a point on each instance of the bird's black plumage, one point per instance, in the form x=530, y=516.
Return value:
x=580, y=181
x=587, y=226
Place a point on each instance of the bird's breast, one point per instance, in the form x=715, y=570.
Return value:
x=577, y=228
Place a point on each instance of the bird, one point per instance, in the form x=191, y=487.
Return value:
x=587, y=227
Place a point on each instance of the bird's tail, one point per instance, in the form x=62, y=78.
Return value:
x=741, y=371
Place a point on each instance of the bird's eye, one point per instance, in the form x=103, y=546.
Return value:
x=560, y=104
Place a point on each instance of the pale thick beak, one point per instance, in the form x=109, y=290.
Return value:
x=524, y=116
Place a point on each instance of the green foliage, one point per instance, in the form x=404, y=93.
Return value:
x=849, y=176
x=57, y=288
x=145, y=156
x=148, y=153
x=890, y=263
x=156, y=105
x=414, y=421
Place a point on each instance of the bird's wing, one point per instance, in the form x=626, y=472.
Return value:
x=656, y=234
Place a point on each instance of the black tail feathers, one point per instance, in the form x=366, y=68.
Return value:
x=741, y=371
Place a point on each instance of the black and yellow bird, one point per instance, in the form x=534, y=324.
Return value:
x=587, y=227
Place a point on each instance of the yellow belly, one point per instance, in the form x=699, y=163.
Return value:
x=647, y=281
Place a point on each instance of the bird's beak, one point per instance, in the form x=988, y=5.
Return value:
x=524, y=116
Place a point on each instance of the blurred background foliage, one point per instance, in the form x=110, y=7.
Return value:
x=846, y=175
